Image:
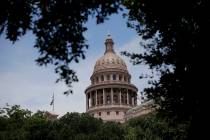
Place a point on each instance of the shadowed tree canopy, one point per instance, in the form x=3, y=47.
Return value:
x=58, y=26
x=21, y=124
x=179, y=30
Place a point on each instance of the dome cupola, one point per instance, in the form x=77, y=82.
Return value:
x=110, y=60
x=109, y=45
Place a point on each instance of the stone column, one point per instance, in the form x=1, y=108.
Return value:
x=135, y=99
x=132, y=101
x=111, y=95
x=91, y=100
x=127, y=98
x=103, y=97
x=120, y=97
x=96, y=97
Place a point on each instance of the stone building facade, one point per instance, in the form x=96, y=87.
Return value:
x=111, y=93
x=140, y=110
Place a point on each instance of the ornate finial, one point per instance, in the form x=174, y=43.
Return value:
x=109, y=44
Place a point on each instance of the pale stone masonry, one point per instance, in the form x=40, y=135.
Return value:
x=111, y=93
x=143, y=109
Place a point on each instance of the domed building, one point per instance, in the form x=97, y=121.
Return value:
x=111, y=93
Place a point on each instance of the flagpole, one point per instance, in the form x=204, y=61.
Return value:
x=53, y=101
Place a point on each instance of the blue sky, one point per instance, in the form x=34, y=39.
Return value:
x=24, y=83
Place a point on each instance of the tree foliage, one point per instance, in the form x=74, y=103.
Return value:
x=20, y=124
x=178, y=30
x=153, y=127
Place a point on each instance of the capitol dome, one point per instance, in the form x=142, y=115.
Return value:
x=111, y=93
x=110, y=60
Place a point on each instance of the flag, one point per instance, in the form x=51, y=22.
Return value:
x=52, y=102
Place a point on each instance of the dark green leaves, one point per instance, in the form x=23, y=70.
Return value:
x=15, y=18
x=21, y=124
x=177, y=54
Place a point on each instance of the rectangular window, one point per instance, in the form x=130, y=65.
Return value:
x=120, y=77
x=99, y=113
x=125, y=79
x=114, y=77
x=108, y=113
x=107, y=77
x=117, y=112
x=102, y=78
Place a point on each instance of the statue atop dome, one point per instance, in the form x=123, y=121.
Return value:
x=109, y=44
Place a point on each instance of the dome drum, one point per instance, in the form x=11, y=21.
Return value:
x=110, y=76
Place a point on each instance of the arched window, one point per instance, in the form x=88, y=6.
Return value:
x=117, y=112
x=122, y=99
x=115, y=99
x=93, y=100
x=97, y=79
x=101, y=99
x=120, y=77
x=125, y=99
x=108, y=99
x=125, y=78
x=102, y=78
x=108, y=77
x=114, y=76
